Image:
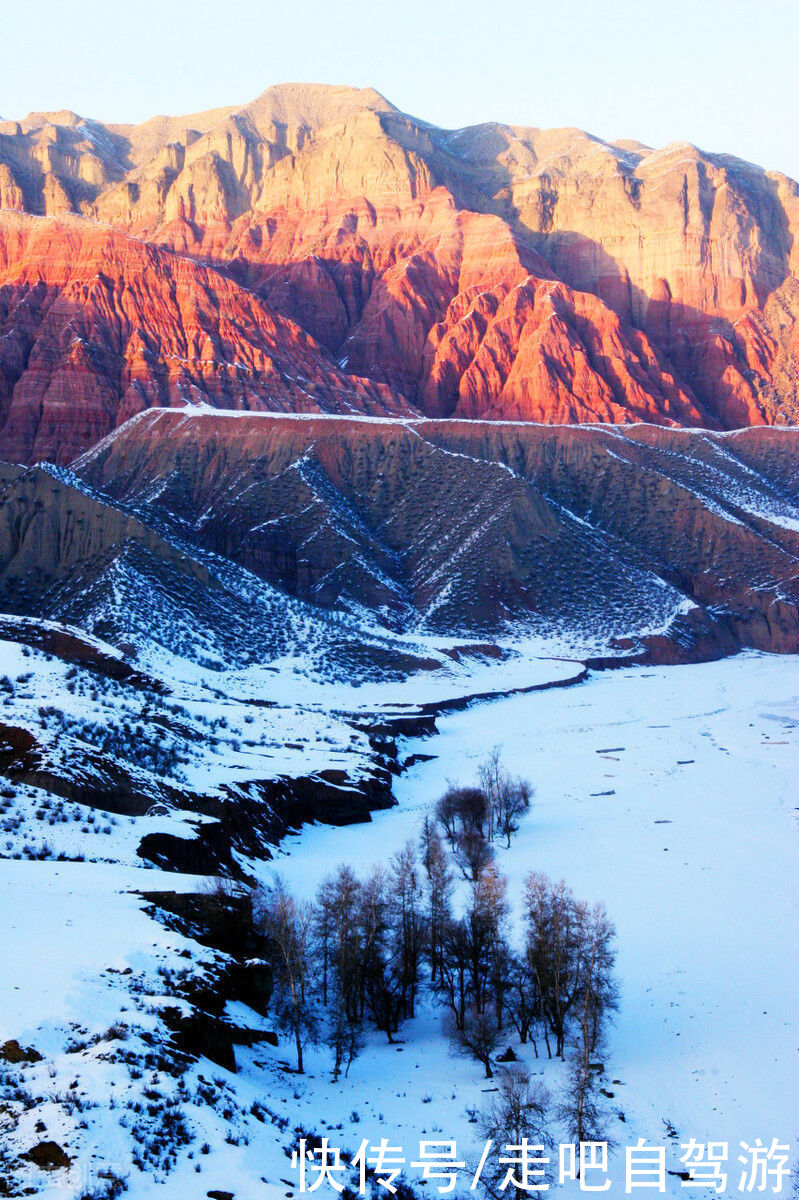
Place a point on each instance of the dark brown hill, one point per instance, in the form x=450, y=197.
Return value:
x=483, y=527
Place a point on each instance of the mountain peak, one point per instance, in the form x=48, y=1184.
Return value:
x=313, y=104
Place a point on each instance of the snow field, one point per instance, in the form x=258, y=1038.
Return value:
x=667, y=793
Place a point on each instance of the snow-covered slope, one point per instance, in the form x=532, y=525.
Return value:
x=666, y=792
x=237, y=540
x=217, y=632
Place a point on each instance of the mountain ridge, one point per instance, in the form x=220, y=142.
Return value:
x=420, y=528
x=674, y=270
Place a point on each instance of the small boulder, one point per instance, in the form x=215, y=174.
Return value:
x=48, y=1155
x=12, y=1052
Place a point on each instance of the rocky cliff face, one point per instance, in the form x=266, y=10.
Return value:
x=490, y=271
x=96, y=326
x=458, y=313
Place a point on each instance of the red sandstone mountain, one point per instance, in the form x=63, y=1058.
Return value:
x=486, y=272
x=97, y=326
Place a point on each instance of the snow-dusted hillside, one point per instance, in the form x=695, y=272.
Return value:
x=668, y=793
x=241, y=541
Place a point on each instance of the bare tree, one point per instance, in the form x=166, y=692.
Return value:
x=569, y=957
x=448, y=814
x=478, y=1035
x=338, y=942
x=489, y=774
x=490, y=906
x=507, y=799
x=324, y=931
x=581, y=1108
x=513, y=800
x=462, y=810
x=474, y=957
x=522, y=1003
x=472, y=853
x=381, y=969
x=552, y=951
x=439, y=892
x=427, y=835
x=453, y=973
x=406, y=922
x=345, y=1034
x=287, y=923
x=518, y=1110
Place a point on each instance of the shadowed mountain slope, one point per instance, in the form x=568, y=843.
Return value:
x=469, y=527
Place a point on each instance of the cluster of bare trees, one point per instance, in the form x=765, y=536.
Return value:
x=556, y=988
x=563, y=974
x=473, y=817
x=353, y=956
x=359, y=954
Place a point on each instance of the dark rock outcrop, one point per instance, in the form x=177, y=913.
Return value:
x=48, y=1155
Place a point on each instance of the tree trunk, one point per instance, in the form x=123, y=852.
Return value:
x=298, y=1041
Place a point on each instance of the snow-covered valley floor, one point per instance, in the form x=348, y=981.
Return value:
x=667, y=793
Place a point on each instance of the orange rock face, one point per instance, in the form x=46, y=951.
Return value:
x=541, y=352
x=320, y=250
x=96, y=326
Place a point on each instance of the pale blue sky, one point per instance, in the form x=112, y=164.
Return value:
x=720, y=73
